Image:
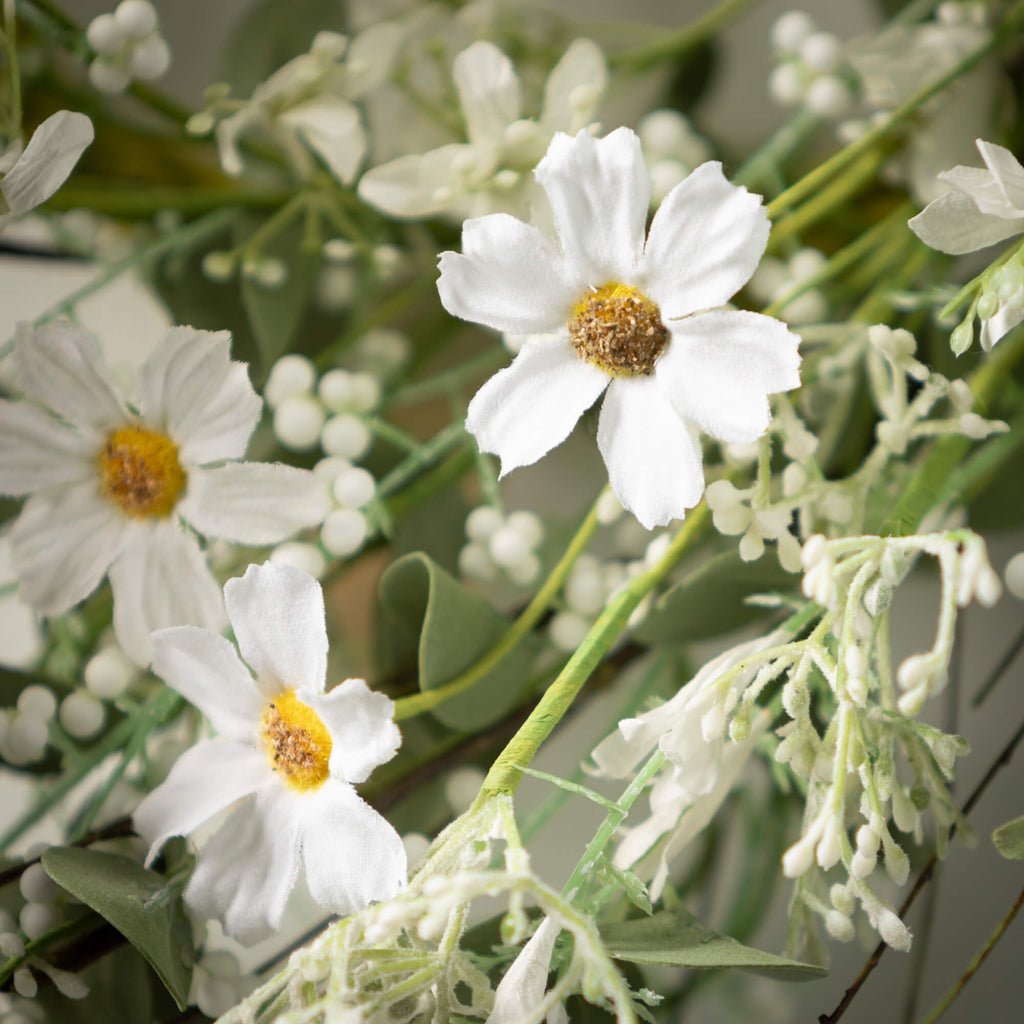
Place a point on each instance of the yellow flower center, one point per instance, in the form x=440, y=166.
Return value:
x=140, y=472
x=297, y=742
x=619, y=330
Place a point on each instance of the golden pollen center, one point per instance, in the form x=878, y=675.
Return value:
x=140, y=472
x=297, y=742
x=618, y=329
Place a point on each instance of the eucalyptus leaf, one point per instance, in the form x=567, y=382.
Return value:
x=142, y=905
x=1009, y=839
x=677, y=939
x=452, y=629
x=710, y=600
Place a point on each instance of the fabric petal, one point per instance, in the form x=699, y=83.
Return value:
x=362, y=728
x=705, y=243
x=331, y=128
x=63, y=544
x=720, y=368
x=575, y=88
x=528, y=408
x=1006, y=169
x=206, y=670
x=1000, y=323
x=522, y=988
x=509, y=277
x=254, y=502
x=38, y=451
x=190, y=388
x=954, y=224
x=981, y=187
x=489, y=92
x=599, y=191
x=654, y=465
x=277, y=613
x=246, y=871
x=208, y=778
x=62, y=368
x=617, y=755
x=351, y=854
x=370, y=57
x=48, y=159
x=162, y=579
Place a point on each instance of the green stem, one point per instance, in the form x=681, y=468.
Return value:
x=68, y=930
x=763, y=164
x=407, y=707
x=504, y=775
x=426, y=454
x=131, y=201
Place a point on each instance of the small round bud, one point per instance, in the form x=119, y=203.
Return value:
x=1014, y=575
x=664, y=131
x=25, y=739
x=828, y=96
x=525, y=571
x=218, y=266
x=507, y=546
x=343, y=532
x=568, y=631
x=151, y=58
x=36, y=885
x=813, y=550
x=462, y=786
x=330, y=468
x=306, y=557
x=338, y=250
x=528, y=526
x=25, y=984
x=345, y=435
x=107, y=77
x=839, y=926
x=269, y=273
x=797, y=859
x=829, y=849
x=842, y=899
x=291, y=375
x=335, y=390
x=483, y=522
x=201, y=124
x=37, y=700
x=298, y=421
x=786, y=85
x=135, y=18
x=987, y=305
x=365, y=392
x=104, y=35
x=822, y=51
x=790, y=30
x=82, y=715
x=584, y=591
x=962, y=336
x=38, y=918
x=893, y=931
x=609, y=508
x=665, y=175
x=476, y=564
x=354, y=487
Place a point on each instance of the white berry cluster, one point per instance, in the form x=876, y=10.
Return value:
x=812, y=70
x=501, y=547
x=128, y=45
x=776, y=278
x=672, y=149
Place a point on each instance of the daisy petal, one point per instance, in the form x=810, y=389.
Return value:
x=489, y=92
x=574, y=89
x=208, y=778
x=654, y=465
x=205, y=669
x=352, y=855
x=360, y=721
x=63, y=544
x=190, y=388
x=253, y=502
x=277, y=613
x=528, y=408
x=705, y=243
x=1006, y=169
x=721, y=366
x=508, y=276
x=162, y=579
x=62, y=368
x=38, y=451
x=954, y=224
x=246, y=871
x=599, y=192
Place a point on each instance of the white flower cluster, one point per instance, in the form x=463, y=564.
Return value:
x=672, y=149
x=812, y=70
x=500, y=545
x=128, y=45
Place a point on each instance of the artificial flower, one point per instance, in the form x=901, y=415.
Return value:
x=521, y=990
x=490, y=172
x=109, y=486
x=285, y=761
x=643, y=322
x=29, y=178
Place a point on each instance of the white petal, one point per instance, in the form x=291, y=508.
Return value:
x=509, y=277
x=654, y=465
x=528, y=408
x=246, y=871
x=1001, y=323
x=1006, y=169
x=371, y=56
x=254, y=502
x=982, y=188
x=205, y=669
x=48, y=159
x=208, y=778
x=362, y=728
x=191, y=389
x=352, y=855
x=38, y=451
x=954, y=224
x=705, y=243
x=575, y=87
x=61, y=367
x=63, y=544
x=277, y=613
x=331, y=128
x=617, y=755
x=162, y=579
x=720, y=368
x=489, y=92
x=522, y=988
x=599, y=192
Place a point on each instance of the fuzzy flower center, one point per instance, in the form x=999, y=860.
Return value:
x=297, y=742
x=140, y=472
x=619, y=330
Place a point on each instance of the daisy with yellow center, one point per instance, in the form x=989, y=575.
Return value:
x=108, y=489
x=284, y=762
x=637, y=316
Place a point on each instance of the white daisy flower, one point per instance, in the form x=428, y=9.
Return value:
x=110, y=484
x=642, y=320
x=29, y=178
x=285, y=761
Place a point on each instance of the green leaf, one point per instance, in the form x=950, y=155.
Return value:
x=142, y=905
x=451, y=629
x=121, y=989
x=676, y=938
x=1009, y=839
x=710, y=600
